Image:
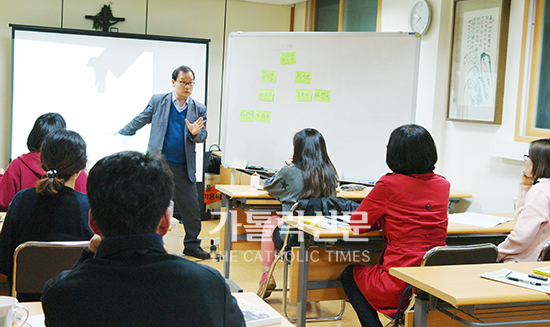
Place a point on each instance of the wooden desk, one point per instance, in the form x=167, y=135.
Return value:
x=453, y=229
x=461, y=287
x=313, y=234
x=35, y=308
x=247, y=192
x=251, y=198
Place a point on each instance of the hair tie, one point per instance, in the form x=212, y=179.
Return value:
x=52, y=173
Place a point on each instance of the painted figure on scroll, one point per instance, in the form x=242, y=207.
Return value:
x=532, y=229
x=410, y=206
x=308, y=174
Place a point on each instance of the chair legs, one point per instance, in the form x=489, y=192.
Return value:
x=261, y=291
x=308, y=319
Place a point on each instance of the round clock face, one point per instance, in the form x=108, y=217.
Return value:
x=420, y=17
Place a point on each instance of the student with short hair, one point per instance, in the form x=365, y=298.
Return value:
x=532, y=228
x=53, y=210
x=24, y=171
x=410, y=206
x=126, y=277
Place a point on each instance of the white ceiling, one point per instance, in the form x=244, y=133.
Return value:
x=277, y=2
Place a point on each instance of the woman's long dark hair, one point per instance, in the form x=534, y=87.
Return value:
x=311, y=157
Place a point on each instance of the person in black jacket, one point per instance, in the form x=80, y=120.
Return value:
x=125, y=277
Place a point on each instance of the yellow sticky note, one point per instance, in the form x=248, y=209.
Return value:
x=303, y=77
x=246, y=115
x=265, y=95
x=263, y=116
x=303, y=94
x=269, y=76
x=288, y=58
x=321, y=95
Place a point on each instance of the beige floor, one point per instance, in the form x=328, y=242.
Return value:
x=246, y=271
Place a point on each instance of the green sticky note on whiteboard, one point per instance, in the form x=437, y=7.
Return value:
x=265, y=95
x=321, y=95
x=288, y=58
x=303, y=94
x=263, y=116
x=303, y=77
x=246, y=115
x=269, y=76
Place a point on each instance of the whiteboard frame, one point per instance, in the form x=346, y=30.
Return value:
x=233, y=84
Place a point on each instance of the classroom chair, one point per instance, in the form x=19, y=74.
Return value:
x=307, y=207
x=447, y=255
x=545, y=253
x=37, y=262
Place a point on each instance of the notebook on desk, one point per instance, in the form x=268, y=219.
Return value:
x=326, y=222
x=256, y=316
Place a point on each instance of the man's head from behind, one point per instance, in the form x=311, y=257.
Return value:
x=129, y=192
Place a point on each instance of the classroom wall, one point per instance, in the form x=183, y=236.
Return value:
x=481, y=159
x=208, y=19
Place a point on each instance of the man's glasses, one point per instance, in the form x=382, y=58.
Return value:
x=182, y=83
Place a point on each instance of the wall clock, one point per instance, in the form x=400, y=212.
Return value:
x=421, y=17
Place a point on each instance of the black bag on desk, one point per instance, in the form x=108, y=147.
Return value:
x=212, y=162
x=326, y=206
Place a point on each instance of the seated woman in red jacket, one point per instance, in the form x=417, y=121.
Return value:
x=24, y=171
x=410, y=206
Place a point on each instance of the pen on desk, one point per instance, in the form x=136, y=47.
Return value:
x=522, y=280
x=538, y=277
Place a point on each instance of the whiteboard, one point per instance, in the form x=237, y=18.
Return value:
x=371, y=77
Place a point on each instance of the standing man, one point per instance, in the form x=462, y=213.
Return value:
x=125, y=277
x=177, y=123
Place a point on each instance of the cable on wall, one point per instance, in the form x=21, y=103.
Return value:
x=223, y=72
x=62, y=6
x=146, y=15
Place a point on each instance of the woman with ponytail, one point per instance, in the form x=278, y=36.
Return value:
x=309, y=174
x=53, y=210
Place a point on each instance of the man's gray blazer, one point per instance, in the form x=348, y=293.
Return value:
x=157, y=113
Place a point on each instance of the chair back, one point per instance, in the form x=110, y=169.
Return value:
x=545, y=253
x=461, y=255
x=37, y=262
x=449, y=255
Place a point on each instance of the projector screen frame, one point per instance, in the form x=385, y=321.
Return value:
x=202, y=95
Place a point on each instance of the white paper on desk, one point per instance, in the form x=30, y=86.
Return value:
x=343, y=219
x=36, y=321
x=500, y=276
x=478, y=219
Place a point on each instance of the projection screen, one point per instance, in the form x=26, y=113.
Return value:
x=97, y=81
